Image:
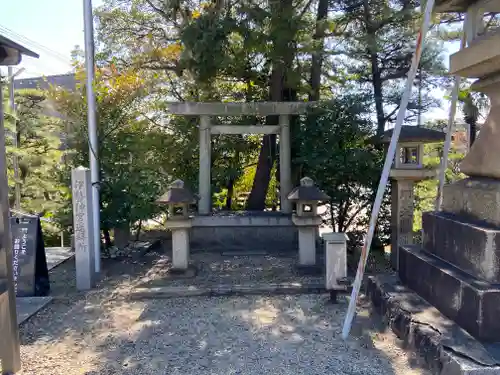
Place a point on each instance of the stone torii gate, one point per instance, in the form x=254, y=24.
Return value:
x=205, y=110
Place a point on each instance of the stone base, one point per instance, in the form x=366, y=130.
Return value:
x=239, y=231
x=471, y=303
x=477, y=198
x=182, y=273
x=312, y=270
x=446, y=348
x=470, y=245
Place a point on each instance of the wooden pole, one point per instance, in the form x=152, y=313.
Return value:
x=387, y=168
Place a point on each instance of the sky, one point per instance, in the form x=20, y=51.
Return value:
x=52, y=28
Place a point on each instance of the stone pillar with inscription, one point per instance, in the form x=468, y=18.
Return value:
x=83, y=228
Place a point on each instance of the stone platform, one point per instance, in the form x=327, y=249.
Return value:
x=477, y=198
x=469, y=244
x=472, y=303
x=242, y=231
x=457, y=267
x=446, y=348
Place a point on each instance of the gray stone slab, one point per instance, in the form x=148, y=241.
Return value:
x=227, y=290
x=446, y=348
x=29, y=306
x=236, y=253
x=471, y=303
x=468, y=244
x=478, y=198
x=57, y=255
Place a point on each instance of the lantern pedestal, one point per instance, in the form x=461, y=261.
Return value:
x=180, y=243
x=402, y=191
x=306, y=197
x=178, y=198
x=308, y=227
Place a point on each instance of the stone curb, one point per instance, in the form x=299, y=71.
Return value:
x=225, y=290
x=421, y=337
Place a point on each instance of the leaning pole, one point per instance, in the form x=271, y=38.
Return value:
x=387, y=167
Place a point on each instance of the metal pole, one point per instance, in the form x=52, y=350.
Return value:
x=92, y=127
x=9, y=337
x=15, y=161
x=449, y=131
x=387, y=167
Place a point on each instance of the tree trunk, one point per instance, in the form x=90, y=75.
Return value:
x=138, y=234
x=257, y=199
x=282, y=59
x=317, y=55
x=230, y=193
x=378, y=95
x=376, y=74
x=107, y=238
x=122, y=236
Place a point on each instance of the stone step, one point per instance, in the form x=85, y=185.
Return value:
x=140, y=293
x=445, y=348
x=471, y=303
x=470, y=245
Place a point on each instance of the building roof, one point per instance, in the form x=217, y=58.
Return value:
x=411, y=133
x=9, y=43
x=66, y=81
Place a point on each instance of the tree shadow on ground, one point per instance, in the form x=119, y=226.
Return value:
x=101, y=332
x=254, y=335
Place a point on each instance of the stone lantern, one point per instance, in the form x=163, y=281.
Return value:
x=178, y=198
x=407, y=169
x=306, y=218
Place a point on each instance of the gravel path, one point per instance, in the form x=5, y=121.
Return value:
x=255, y=335
x=100, y=332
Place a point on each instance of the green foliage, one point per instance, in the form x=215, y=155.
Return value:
x=376, y=50
x=335, y=152
x=133, y=154
x=426, y=191
x=39, y=154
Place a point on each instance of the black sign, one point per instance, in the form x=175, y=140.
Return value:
x=29, y=263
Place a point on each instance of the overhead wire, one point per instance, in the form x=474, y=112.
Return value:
x=54, y=54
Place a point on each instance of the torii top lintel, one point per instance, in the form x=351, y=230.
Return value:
x=238, y=109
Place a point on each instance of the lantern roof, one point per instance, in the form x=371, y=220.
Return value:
x=307, y=192
x=416, y=134
x=177, y=194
